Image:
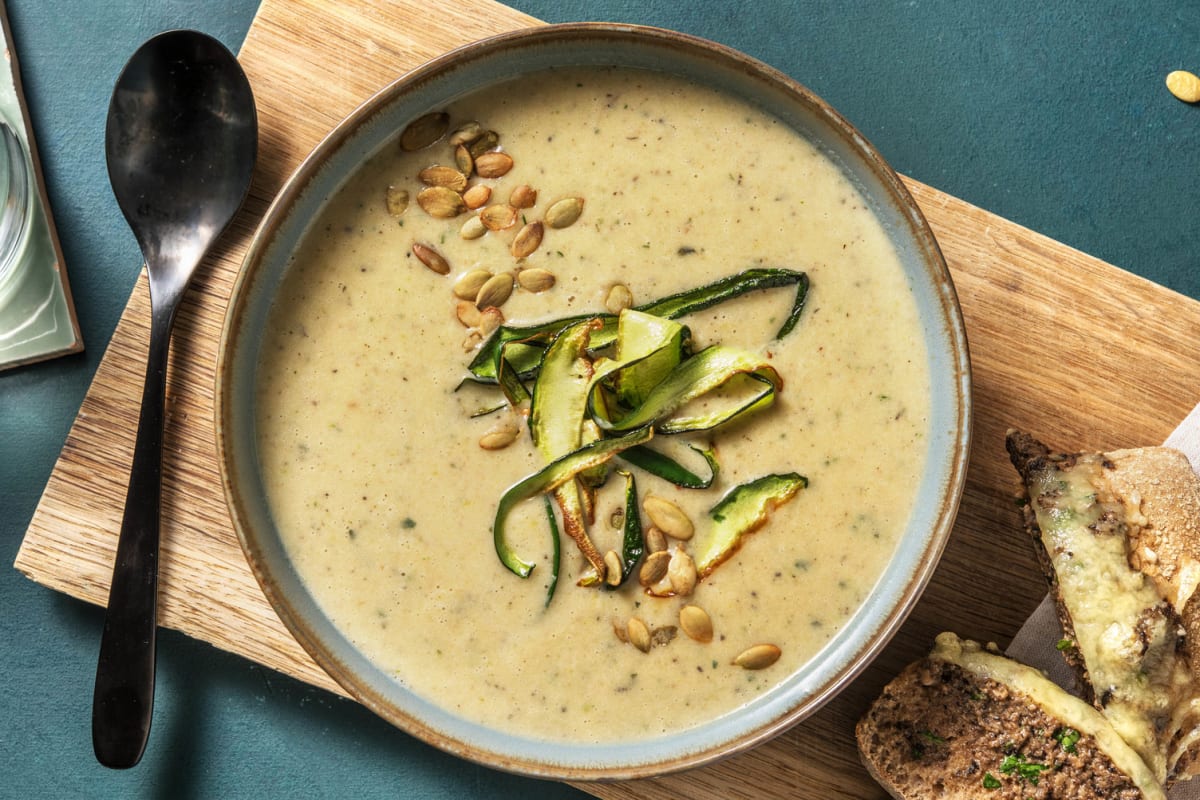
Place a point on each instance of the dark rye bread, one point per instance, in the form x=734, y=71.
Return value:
x=940, y=730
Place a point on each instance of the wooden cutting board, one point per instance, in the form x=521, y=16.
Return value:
x=1062, y=344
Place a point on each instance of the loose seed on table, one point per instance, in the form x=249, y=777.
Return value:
x=424, y=131
x=470, y=282
x=493, y=164
x=536, y=280
x=696, y=623
x=494, y=292
x=668, y=517
x=760, y=656
x=619, y=298
x=1184, y=85
x=563, y=213
x=438, y=201
x=397, y=201
x=431, y=258
x=527, y=240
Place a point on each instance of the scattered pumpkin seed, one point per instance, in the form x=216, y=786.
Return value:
x=654, y=568
x=668, y=517
x=490, y=319
x=431, y=258
x=477, y=196
x=681, y=571
x=696, y=623
x=466, y=133
x=472, y=341
x=760, y=656
x=473, y=228
x=639, y=634
x=1184, y=85
x=619, y=631
x=612, y=568
x=535, y=280
x=397, y=201
x=563, y=213
x=486, y=141
x=438, y=175
x=493, y=164
x=527, y=240
x=499, y=217
x=619, y=298
x=464, y=160
x=524, y=196
x=424, y=131
x=656, y=540
x=467, y=313
x=470, y=282
x=438, y=201
x=500, y=435
x=494, y=291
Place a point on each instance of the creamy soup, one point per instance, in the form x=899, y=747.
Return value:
x=385, y=498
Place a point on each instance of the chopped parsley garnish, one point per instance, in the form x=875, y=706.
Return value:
x=990, y=781
x=1067, y=737
x=1064, y=644
x=1024, y=770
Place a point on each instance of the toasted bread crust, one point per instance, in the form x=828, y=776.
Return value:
x=937, y=731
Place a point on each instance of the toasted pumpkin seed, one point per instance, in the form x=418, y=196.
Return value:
x=681, y=571
x=493, y=164
x=438, y=175
x=696, y=623
x=563, y=213
x=473, y=228
x=656, y=540
x=500, y=435
x=467, y=313
x=619, y=298
x=760, y=656
x=654, y=568
x=472, y=341
x=477, y=196
x=668, y=517
x=1184, y=85
x=612, y=568
x=397, y=201
x=498, y=217
x=431, y=258
x=494, y=291
x=639, y=634
x=464, y=160
x=490, y=319
x=527, y=240
x=470, y=282
x=619, y=630
x=438, y=201
x=536, y=280
x=486, y=141
x=466, y=133
x=524, y=196
x=424, y=131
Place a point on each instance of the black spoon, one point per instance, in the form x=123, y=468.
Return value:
x=181, y=140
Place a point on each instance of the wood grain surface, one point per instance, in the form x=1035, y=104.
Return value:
x=1077, y=351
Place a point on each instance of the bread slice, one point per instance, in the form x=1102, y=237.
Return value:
x=967, y=722
x=1117, y=534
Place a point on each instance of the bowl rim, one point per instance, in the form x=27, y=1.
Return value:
x=950, y=321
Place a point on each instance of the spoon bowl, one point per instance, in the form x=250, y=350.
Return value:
x=180, y=141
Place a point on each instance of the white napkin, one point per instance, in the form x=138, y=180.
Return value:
x=1034, y=643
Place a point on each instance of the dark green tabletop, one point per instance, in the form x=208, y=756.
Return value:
x=1053, y=115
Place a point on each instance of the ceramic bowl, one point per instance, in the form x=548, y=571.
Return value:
x=505, y=57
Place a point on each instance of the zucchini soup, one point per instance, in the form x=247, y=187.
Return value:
x=594, y=406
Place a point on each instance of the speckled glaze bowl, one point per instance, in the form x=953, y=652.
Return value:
x=502, y=58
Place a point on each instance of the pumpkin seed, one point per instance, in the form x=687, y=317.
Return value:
x=494, y=291
x=490, y=319
x=499, y=217
x=681, y=571
x=466, y=133
x=612, y=568
x=654, y=568
x=472, y=341
x=464, y=160
x=431, y=258
x=619, y=630
x=469, y=283
x=639, y=634
x=467, y=313
x=760, y=656
x=524, y=196
x=493, y=164
x=477, y=196
x=656, y=540
x=438, y=201
x=696, y=623
x=424, y=131
x=397, y=201
x=500, y=435
x=619, y=298
x=473, y=228
x=437, y=175
x=527, y=240
x=563, y=213
x=1184, y=85
x=486, y=141
x=535, y=280
x=668, y=517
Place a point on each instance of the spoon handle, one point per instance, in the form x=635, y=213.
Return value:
x=124, y=695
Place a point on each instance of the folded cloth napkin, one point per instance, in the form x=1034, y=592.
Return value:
x=1034, y=643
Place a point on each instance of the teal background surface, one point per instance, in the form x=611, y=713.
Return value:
x=1053, y=115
